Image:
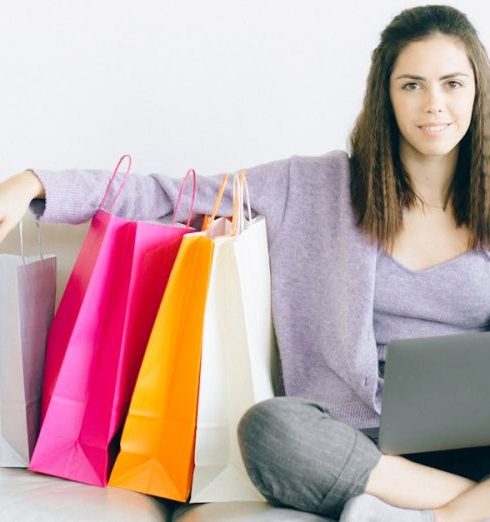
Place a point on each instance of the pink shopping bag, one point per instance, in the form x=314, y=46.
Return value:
x=97, y=340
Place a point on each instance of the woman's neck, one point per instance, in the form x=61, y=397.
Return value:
x=431, y=176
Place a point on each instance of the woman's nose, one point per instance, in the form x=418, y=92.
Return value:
x=434, y=100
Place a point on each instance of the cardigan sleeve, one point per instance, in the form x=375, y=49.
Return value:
x=74, y=195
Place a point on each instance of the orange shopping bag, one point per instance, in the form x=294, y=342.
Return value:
x=157, y=444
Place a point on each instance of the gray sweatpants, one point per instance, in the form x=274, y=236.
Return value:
x=297, y=455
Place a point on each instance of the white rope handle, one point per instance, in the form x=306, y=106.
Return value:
x=39, y=242
x=240, y=185
x=21, y=234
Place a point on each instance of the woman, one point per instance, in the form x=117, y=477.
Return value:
x=410, y=202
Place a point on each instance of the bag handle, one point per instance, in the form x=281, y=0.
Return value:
x=217, y=203
x=121, y=159
x=240, y=190
x=128, y=157
x=240, y=186
x=193, y=197
x=21, y=237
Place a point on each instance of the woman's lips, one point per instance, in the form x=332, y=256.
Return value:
x=434, y=130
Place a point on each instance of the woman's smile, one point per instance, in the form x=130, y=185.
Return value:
x=434, y=130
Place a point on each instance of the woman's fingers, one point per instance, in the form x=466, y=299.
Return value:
x=15, y=197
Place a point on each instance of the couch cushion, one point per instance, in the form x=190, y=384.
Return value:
x=39, y=498
x=242, y=512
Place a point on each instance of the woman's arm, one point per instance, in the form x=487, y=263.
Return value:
x=73, y=196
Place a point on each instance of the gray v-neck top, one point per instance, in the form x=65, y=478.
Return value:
x=449, y=298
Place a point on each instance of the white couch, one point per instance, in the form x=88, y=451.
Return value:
x=26, y=496
x=30, y=497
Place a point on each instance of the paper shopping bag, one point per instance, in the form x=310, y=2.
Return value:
x=97, y=342
x=157, y=443
x=27, y=300
x=238, y=343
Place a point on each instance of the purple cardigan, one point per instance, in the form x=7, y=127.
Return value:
x=322, y=266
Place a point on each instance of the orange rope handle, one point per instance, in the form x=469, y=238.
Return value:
x=217, y=202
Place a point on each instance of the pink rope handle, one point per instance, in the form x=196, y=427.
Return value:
x=121, y=159
x=193, y=197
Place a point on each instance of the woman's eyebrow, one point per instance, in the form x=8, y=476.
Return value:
x=421, y=78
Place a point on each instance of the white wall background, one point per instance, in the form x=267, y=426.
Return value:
x=216, y=85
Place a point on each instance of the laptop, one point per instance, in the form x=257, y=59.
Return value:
x=436, y=394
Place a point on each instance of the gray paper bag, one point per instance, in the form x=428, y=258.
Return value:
x=27, y=300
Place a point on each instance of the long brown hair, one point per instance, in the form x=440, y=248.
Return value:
x=380, y=187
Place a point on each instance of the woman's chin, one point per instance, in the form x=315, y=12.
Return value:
x=433, y=150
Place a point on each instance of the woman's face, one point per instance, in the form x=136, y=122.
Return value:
x=432, y=89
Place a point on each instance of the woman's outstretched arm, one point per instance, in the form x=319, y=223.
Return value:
x=74, y=195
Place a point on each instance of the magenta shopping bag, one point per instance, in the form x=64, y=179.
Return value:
x=97, y=340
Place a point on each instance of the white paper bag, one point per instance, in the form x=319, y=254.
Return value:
x=27, y=300
x=238, y=344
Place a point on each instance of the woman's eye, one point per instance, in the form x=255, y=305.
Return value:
x=454, y=84
x=408, y=86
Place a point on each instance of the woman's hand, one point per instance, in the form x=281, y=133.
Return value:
x=16, y=193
